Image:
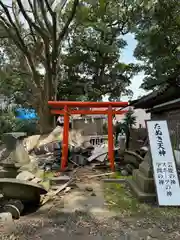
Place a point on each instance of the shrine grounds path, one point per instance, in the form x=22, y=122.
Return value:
x=94, y=210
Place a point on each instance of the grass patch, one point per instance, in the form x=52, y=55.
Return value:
x=45, y=176
x=119, y=198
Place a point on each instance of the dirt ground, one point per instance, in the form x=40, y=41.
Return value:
x=94, y=210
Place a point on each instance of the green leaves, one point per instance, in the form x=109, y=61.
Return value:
x=90, y=60
x=102, y=6
x=94, y=52
x=130, y=119
x=157, y=33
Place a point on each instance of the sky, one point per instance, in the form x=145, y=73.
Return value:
x=127, y=57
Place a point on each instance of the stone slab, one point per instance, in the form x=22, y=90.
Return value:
x=145, y=168
x=142, y=196
x=22, y=190
x=59, y=180
x=145, y=184
x=7, y=225
x=5, y=217
x=79, y=159
x=10, y=139
x=8, y=173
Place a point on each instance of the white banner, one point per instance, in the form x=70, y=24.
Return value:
x=165, y=172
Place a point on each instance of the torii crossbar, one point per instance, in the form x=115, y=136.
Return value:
x=66, y=108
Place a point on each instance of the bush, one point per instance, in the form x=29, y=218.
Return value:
x=9, y=123
x=28, y=126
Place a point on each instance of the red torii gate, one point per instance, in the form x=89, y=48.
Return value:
x=56, y=108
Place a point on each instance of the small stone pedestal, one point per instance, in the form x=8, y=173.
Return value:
x=14, y=154
x=142, y=182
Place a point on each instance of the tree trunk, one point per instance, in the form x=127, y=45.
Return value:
x=127, y=138
x=46, y=119
x=42, y=95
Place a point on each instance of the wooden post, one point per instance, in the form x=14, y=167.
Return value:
x=110, y=138
x=65, y=138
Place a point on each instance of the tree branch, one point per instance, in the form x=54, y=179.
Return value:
x=15, y=14
x=54, y=37
x=35, y=13
x=7, y=28
x=66, y=26
x=11, y=25
x=49, y=8
x=44, y=14
x=22, y=45
x=29, y=20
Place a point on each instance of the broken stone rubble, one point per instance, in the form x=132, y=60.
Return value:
x=26, y=165
x=46, y=153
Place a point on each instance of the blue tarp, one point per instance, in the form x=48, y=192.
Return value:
x=27, y=114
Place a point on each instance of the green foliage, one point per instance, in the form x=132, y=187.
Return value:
x=78, y=49
x=7, y=119
x=130, y=119
x=28, y=126
x=124, y=127
x=157, y=33
x=9, y=123
x=92, y=65
x=14, y=80
x=120, y=199
x=90, y=62
x=32, y=38
x=120, y=127
x=128, y=122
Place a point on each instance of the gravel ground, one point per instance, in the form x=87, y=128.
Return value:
x=82, y=226
x=54, y=222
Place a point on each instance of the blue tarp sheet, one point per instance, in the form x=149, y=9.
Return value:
x=26, y=114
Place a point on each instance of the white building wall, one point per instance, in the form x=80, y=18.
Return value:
x=141, y=116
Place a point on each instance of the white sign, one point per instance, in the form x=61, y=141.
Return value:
x=165, y=172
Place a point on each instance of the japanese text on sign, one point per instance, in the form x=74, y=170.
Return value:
x=165, y=172
x=166, y=176
x=159, y=138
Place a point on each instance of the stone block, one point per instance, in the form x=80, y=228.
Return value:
x=129, y=158
x=145, y=184
x=10, y=139
x=79, y=159
x=59, y=180
x=145, y=168
x=6, y=217
x=148, y=158
x=8, y=173
x=7, y=225
x=141, y=196
x=24, y=190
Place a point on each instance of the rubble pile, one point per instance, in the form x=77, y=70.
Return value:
x=47, y=152
x=29, y=167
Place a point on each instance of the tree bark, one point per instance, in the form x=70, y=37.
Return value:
x=46, y=119
x=127, y=138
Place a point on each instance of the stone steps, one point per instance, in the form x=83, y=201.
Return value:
x=145, y=169
x=145, y=184
x=142, y=196
x=142, y=182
